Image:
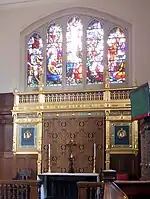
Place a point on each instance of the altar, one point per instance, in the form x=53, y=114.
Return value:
x=63, y=185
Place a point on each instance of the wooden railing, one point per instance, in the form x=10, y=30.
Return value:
x=112, y=191
x=90, y=190
x=45, y=97
x=95, y=190
x=19, y=189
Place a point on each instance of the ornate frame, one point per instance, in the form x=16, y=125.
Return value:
x=121, y=134
x=27, y=121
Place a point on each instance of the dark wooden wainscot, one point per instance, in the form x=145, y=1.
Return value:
x=135, y=189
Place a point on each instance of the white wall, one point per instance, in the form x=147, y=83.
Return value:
x=13, y=21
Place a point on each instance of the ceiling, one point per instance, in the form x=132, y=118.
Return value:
x=8, y=2
x=14, y=3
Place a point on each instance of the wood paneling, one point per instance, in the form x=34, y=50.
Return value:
x=27, y=161
x=9, y=165
x=8, y=169
x=126, y=163
x=6, y=132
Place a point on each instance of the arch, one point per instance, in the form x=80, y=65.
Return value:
x=87, y=72
x=74, y=11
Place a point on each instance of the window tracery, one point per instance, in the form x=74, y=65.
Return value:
x=74, y=53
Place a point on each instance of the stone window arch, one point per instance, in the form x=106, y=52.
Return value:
x=74, y=48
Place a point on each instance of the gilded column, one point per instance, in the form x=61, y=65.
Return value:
x=107, y=158
x=135, y=136
x=107, y=112
x=14, y=149
x=39, y=147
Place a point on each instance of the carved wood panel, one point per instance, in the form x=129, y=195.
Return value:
x=126, y=163
x=6, y=132
x=84, y=131
x=26, y=161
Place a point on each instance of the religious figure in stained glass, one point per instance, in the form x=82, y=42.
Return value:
x=95, y=52
x=117, y=55
x=54, y=55
x=34, y=59
x=74, y=62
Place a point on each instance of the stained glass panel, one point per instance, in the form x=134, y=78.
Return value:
x=117, y=55
x=54, y=55
x=95, y=52
x=34, y=59
x=74, y=64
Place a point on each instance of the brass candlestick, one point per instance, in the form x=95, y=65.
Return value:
x=94, y=158
x=71, y=168
x=71, y=144
x=49, y=158
x=94, y=164
x=49, y=165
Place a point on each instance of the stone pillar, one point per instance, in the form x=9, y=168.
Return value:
x=145, y=148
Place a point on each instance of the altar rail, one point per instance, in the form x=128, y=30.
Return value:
x=92, y=190
x=21, y=189
x=36, y=97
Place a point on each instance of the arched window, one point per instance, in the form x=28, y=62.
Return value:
x=34, y=59
x=74, y=50
x=95, y=52
x=54, y=55
x=117, y=55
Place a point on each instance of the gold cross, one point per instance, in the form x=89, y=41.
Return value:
x=70, y=145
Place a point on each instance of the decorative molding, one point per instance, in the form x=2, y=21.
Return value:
x=27, y=120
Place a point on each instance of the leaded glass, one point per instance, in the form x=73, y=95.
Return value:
x=95, y=52
x=117, y=55
x=34, y=60
x=74, y=62
x=54, y=55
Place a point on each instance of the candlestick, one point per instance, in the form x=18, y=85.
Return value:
x=94, y=158
x=49, y=158
x=94, y=150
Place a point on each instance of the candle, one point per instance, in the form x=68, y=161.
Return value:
x=49, y=151
x=94, y=150
x=49, y=156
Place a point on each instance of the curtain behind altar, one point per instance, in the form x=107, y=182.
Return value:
x=84, y=131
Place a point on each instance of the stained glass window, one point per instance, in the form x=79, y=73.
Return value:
x=34, y=59
x=117, y=55
x=54, y=55
x=74, y=52
x=95, y=52
x=74, y=62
